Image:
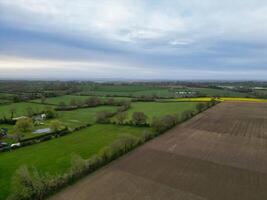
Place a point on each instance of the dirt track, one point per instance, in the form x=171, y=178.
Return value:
x=220, y=154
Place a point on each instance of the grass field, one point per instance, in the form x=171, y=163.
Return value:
x=72, y=119
x=139, y=90
x=20, y=109
x=79, y=117
x=54, y=156
x=157, y=109
x=67, y=99
x=126, y=90
x=197, y=99
x=219, y=92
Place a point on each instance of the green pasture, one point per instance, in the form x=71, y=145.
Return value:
x=54, y=156
x=82, y=116
x=68, y=98
x=20, y=109
x=158, y=109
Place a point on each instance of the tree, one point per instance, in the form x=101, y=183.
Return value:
x=50, y=113
x=139, y=118
x=13, y=111
x=73, y=102
x=28, y=184
x=78, y=164
x=43, y=99
x=55, y=125
x=187, y=115
x=62, y=104
x=110, y=101
x=164, y=123
x=200, y=107
x=93, y=101
x=23, y=126
x=30, y=111
x=16, y=98
x=121, y=117
x=124, y=105
x=103, y=117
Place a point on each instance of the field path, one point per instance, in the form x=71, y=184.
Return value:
x=220, y=154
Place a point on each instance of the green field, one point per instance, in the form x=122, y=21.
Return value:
x=128, y=90
x=72, y=119
x=54, y=156
x=218, y=92
x=20, y=109
x=139, y=90
x=157, y=109
x=79, y=117
x=68, y=98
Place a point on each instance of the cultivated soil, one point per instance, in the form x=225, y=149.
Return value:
x=220, y=154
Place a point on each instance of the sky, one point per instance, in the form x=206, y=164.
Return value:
x=133, y=39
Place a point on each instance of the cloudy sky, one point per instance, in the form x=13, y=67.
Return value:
x=133, y=39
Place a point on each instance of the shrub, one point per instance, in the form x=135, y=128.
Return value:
x=62, y=105
x=55, y=125
x=139, y=118
x=103, y=117
x=187, y=115
x=50, y=113
x=121, y=117
x=93, y=101
x=201, y=106
x=164, y=123
x=27, y=184
x=24, y=125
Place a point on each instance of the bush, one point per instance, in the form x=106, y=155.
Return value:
x=201, y=106
x=103, y=117
x=164, y=123
x=93, y=101
x=139, y=118
x=121, y=117
x=50, y=113
x=24, y=125
x=187, y=115
x=27, y=184
x=55, y=125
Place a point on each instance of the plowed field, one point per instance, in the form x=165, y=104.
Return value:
x=220, y=154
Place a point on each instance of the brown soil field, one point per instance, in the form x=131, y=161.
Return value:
x=220, y=154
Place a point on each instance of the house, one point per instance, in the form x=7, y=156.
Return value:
x=43, y=116
x=38, y=119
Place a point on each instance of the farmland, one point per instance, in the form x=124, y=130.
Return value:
x=206, y=99
x=219, y=92
x=128, y=90
x=68, y=98
x=91, y=124
x=79, y=117
x=158, y=109
x=220, y=154
x=54, y=156
x=20, y=109
x=86, y=142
